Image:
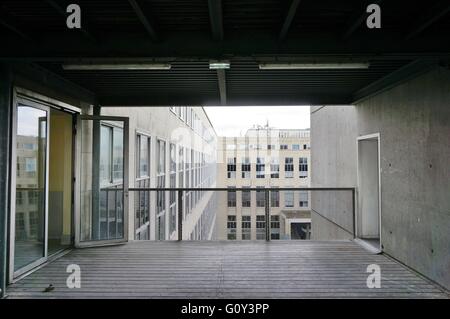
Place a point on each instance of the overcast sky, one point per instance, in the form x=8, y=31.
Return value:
x=234, y=121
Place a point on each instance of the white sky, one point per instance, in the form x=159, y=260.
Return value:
x=234, y=121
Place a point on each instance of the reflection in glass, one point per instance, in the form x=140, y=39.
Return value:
x=30, y=185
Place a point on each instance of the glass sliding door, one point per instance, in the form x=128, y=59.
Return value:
x=103, y=183
x=29, y=193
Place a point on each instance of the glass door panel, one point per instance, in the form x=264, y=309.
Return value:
x=30, y=186
x=103, y=195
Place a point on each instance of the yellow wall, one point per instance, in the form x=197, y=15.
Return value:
x=60, y=168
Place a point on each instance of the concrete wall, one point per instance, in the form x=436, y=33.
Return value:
x=333, y=161
x=413, y=120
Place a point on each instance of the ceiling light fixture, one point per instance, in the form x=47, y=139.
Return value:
x=312, y=66
x=219, y=65
x=118, y=67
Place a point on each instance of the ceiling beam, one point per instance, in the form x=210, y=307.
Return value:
x=405, y=73
x=434, y=14
x=191, y=45
x=7, y=21
x=289, y=18
x=222, y=86
x=358, y=19
x=216, y=19
x=144, y=20
x=134, y=100
x=62, y=11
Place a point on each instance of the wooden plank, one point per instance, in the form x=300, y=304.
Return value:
x=194, y=269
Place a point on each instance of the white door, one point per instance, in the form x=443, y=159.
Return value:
x=368, y=187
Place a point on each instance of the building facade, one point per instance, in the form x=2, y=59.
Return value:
x=170, y=148
x=264, y=158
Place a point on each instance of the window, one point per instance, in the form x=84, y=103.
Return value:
x=296, y=147
x=246, y=227
x=260, y=227
x=270, y=147
x=173, y=158
x=274, y=168
x=161, y=195
x=246, y=198
x=289, y=199
x=274, y=227
x=161, y=149
x=303, y=199
x=231, y=228
x=111, y=154
x=303, y=167
x=260, y=197
x=288, y=167
x=284, y=147
x=231, y=197
x=173, y=204
x=142, y=198
x=260, y=167
x=246, y=167
x=275, y=199
x=231, y=167
x=172, y=194
x=180, y=167
x=105, y=154
x=143, y=156
x=306, y=146
x=117, y=158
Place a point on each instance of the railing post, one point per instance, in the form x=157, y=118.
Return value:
x=180, y=215
x=267, y=211
x=354, y=212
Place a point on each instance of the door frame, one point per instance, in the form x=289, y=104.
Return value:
x=45, y=103
x=377, y=137
x=77, y=194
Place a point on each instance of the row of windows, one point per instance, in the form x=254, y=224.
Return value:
x=274, y=200
x=293, y=147
x=274, y=166
x=187, y=168
x=206, y=221
x=190, y=117
x=246, y=225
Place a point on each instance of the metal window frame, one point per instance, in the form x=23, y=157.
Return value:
x=17, y=97
x=77, y=206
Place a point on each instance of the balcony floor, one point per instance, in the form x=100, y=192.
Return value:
x=278, y=269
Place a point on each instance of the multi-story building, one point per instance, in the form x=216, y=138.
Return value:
x=264, y=158
x=170, y=148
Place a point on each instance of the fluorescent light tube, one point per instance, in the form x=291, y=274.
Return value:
x=218, y=65
x=312, y=66
x=124, y=67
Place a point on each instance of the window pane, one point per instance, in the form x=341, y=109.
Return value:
x=117, y=154
x=105, y=154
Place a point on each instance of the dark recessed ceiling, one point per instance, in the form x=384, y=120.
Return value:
x=190, y=32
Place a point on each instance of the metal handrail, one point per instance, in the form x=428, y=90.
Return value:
x=232, y=189
x=267, y=191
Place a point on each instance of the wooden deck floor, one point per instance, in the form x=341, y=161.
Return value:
x=279, y=269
